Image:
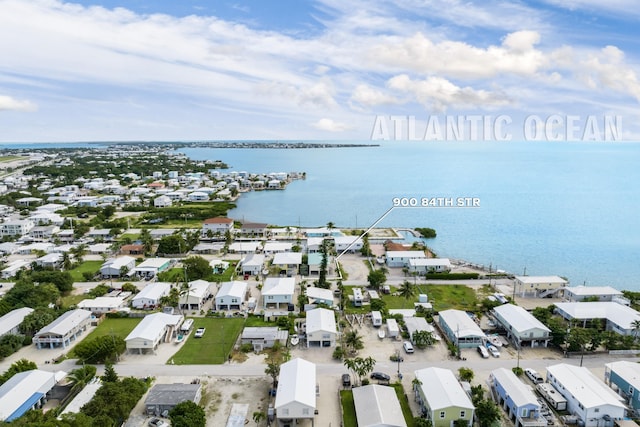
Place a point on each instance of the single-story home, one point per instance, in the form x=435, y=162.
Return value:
x=320, y=296
x=231, y=295
x=162, y=398
x=10, y=322
x=321, y=328
x=441, y=398
x=619, y=318
x=377, y=406
x=26, y=390
x=460, y=329
x=115, y=266
x=151, y=267
x=263, y=337
x=521, y=326
x=245, y=247
x=149, y=296
x=423, y=266
x=102, y=305
x=14, y=267
x=63, y=330
x=402, y=258
x=152, y=330
x=597, y=293
x=296, y=392
x=415, y=324
x=271, y=248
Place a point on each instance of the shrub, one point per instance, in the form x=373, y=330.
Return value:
x=246, y=348
x=338, y=353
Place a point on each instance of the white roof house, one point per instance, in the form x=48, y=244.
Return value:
x=415, y=324
x=519, y=400
x=252, y=264
x=538, y=285
x=152, y=266
x=113, y=266
x=150, y=295
x=460, y=328
x=102, y=304
x=587, y=396
x=231, y=295
x=278, y=290
x=377, y=406
x=401, y=258
x=152, y=330
x=521, y=325
x=296, y=393
x=9, y=322
x=287, y=258
x=277, y=247
x=198, y=292
x=63, y=330
x=441, y=396
x=26, y=390
x=619, y=317
x=428, y=265
x=603, y=293
x=13, y=268
x=320, y=295
x=321, y=328
x=244, y=247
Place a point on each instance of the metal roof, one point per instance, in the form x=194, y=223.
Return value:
x=520, y=393
x=321, y=319
x=296, y=384
x=584, y=386
x=519, y=318
x=152, y=326
x=12, y=319
x=460, y=323
x=441, y=389
x=65, y=323
x=279, y=286
x=377, y=406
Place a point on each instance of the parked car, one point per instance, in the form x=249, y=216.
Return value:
x=199, y=332
x=408, y=347
x=483, y=351
x=380, y=376
x=534, y=376
x=157, y=422
x=493, y=350
x=346, y=380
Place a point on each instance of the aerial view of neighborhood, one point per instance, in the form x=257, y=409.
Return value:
x=131, y=298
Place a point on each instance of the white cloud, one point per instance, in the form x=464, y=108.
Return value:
x=617, y=7
x=370, y=97
x=330, y=125
x=439, y=94
x=8, y=103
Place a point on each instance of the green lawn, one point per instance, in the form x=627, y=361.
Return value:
x=10, y=158
x=118, y=327
x=226, y=275
x=70, y=300
x=348, y=409
x=444, y=297
x=93, y=266
x=404, y=404
x=214, y=346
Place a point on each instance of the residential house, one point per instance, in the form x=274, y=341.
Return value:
x=592, y=293
x=441, y=397
x=25, y=391
x=314, y=261
x=253, y=229
x=516, y=398
x=351, y=244
x=271, y=248
x=19, y=227
x=521, y=326
x=423, y=266
x=14, y=267
x=218, y=226
x=539, y=286
x=252, y=264
x=196, y=295
x=377, y=406
x=101, y=305
x=132, y=249
x=153, y=330
x=296, y=392
x=66, y=328
x=417, y=324
x=49, y=261
x=149, y=297
x=319, y=296
x=623, y=377
x=162, y=398
x=114, y=267
x=101, y=234
x=321, y=328
x=10, y=322
x=231, y=296
x=43, y=232
x=263, y=337
x=588, y=398
x=618, y=318
x=460, y=329
x=162, y=201
x=287, y=262
x=245, y=247
x=402, y=258
x=152, y=267
x=277, y=292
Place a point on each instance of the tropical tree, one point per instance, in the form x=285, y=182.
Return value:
x=273, y=370
x=407, y=291
x=110, y=374
x=423, y=339
x=197, y=268
x=258, y=416
x=187, y=414
x=81, y=377
x=376, y=279
x=465, y=374
x=354, y=341
x=635, y=326
x=487, y=412
x=360, y=367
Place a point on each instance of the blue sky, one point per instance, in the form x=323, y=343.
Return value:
x=322, y=70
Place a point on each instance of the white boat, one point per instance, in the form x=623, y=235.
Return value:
x=381, y=333
x=179, y=338
x=495, y=340
x=295, y=339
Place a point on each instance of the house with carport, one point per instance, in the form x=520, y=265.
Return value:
x=441, y=398
x=114, y=267
x=287, y=263
x=618, y=318
x=261, y=337
x=395, y=259
x=277, y=292
x=153, y=330
x=149, y=297
x=377, y=406
x=321, y=330
x=521, y=326
x=460, y=329
x=252, y=264
x=623, y=376
x=539, y=286
x=595, y=404
x=195, y=295
x=516, y=398
x=25, y=391
x=296, y=393
x=151, y=267
x=62, y=331
x=231, y=295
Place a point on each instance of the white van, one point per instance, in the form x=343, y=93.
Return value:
x=534, y=376
x=483, y=352
x=408, y=347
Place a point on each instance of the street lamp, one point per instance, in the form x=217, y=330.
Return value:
x=398, y=359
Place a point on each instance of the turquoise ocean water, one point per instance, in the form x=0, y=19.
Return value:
x=569, y=209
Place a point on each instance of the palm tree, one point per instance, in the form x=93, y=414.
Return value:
x=406, y=290
x=80, y=377
x=354, y=341
x=635, y=326
x=258, y=416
